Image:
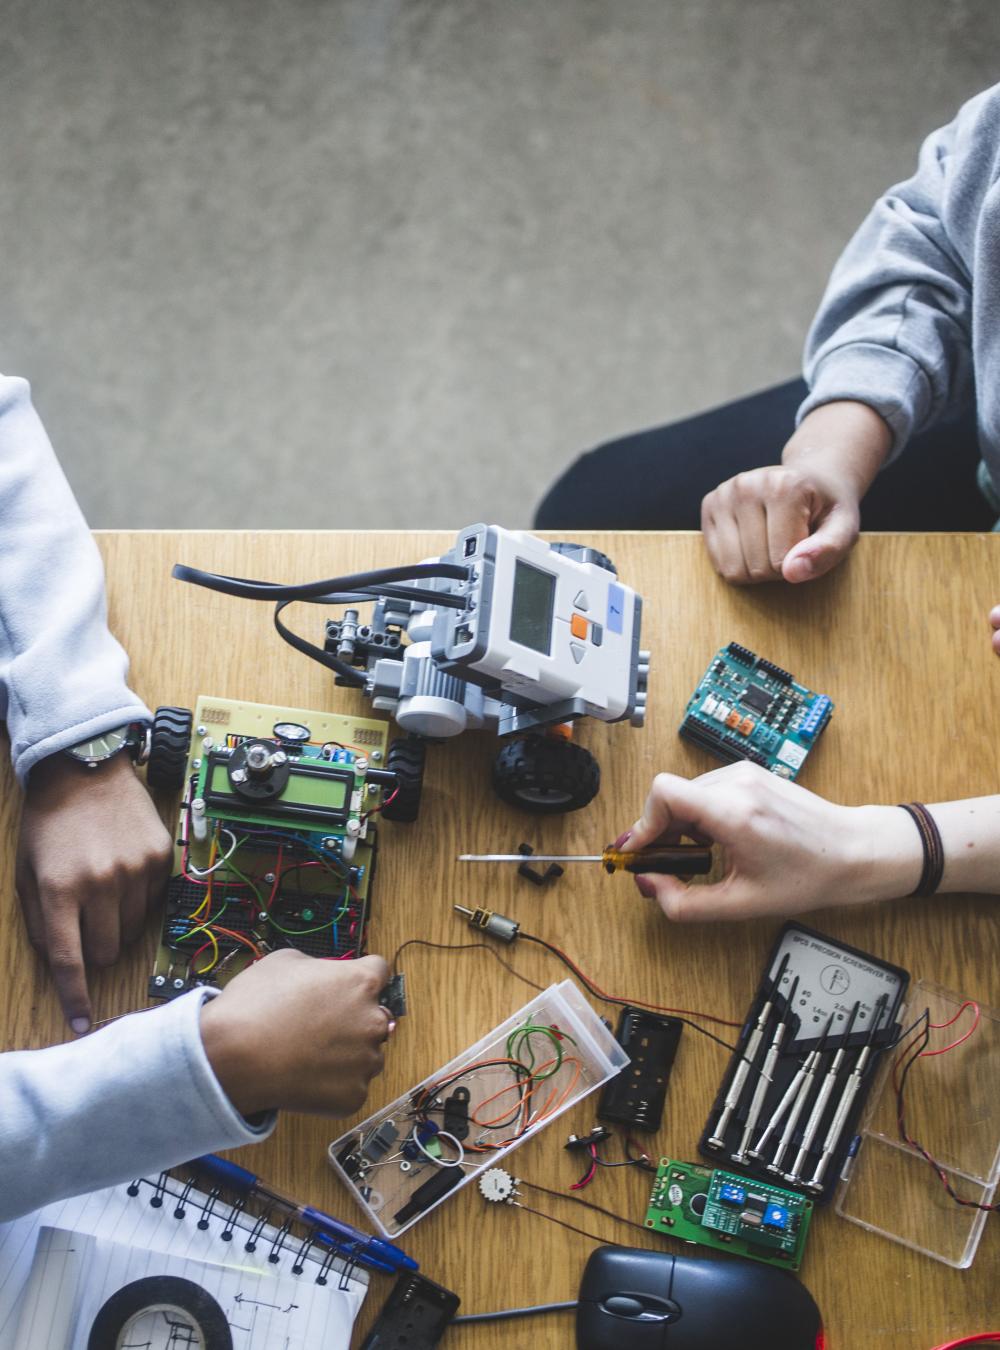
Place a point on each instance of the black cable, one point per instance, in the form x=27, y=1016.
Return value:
x=626, y=1002
x=462, y=947
x=911, y=1054
x=247, y=589
x=506, y=1313
x=349, y=674
x=579, y=1200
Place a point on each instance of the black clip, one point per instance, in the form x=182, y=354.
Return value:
x=551, y=873
x=456, y=1113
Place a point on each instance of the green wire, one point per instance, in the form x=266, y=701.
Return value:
x=289, y=932
x=521, y=1037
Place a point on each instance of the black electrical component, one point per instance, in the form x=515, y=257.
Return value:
x=635, y=1096
x=456, y=1113
x=349, y=1159
x=443, y=1180
x=415, y=1315
x=393, y=996
x=577, y=1142
x=740, y=653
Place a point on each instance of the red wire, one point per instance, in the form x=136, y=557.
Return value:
x=588, y=1178
x=969, y=1003
x=981, y=1338
x=614, y=998
x=375, y=809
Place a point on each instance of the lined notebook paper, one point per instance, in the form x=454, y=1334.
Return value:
x=86, y=1291
x=131, y=1223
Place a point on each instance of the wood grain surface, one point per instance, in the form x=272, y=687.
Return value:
x=898, y=636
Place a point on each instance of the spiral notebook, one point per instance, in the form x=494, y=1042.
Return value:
x=122, y=1235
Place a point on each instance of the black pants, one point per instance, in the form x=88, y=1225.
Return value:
x=655, y=480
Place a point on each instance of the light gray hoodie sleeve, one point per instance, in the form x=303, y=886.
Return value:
x=895, y=327
x=127, y=1101
x=62, y=674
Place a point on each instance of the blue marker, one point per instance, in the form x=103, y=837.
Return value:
x=363, y=1247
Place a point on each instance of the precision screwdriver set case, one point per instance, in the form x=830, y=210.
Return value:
x=788, y=1107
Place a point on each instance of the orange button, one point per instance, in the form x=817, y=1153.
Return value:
x=578, y=626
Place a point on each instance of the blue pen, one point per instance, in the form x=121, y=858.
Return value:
x=373, y=1251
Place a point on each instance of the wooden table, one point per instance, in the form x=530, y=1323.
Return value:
x=898, y=636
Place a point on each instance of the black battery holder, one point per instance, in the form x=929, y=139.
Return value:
x=635, y=1097
x=415, y=1316
x=829, y=978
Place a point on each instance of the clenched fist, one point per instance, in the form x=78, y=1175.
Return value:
x=796, y=520
x=295, y=1033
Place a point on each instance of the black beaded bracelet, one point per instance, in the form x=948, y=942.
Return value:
x=930, y=838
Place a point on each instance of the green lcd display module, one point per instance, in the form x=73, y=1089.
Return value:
x=730, y=1213
x=748, y=708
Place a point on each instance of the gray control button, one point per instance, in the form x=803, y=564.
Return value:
x=596, y=634
x=581, y=602
x=578, y=650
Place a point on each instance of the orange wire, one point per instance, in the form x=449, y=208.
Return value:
x=229, y=932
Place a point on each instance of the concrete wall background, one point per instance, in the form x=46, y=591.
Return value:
x=391, y=263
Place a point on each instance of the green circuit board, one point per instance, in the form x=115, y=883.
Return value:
x=730, y=1213
x=282, y=865
x=746, y=707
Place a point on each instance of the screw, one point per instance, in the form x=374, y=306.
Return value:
x=330, y=843
x=361, y=763
x=269, y=877
x=202, y=730
x=196, y=764
x=376, y=755
x=372, y=789
x=279, y=757
x=239, y=775
x=178, y=984
x=159, y=981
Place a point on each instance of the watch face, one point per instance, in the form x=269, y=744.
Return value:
x=101, y=747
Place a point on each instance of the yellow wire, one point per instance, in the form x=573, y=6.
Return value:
x=215, y=952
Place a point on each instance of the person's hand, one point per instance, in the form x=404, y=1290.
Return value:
x=798, y=519
x=777, y=522
x=295, y=1033
x=785, y=850
x=92, y=856
x=995, y=625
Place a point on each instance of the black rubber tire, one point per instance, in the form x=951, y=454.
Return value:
x=545, y=775
x=171, y=743
x=406, y=759
x=578, y=551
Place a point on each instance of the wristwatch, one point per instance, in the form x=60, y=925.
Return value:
x=133, y=738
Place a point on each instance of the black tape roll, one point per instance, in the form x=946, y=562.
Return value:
x=164, y=1292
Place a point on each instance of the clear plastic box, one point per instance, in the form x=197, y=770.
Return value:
x=953, y=1109
x=591, y=1056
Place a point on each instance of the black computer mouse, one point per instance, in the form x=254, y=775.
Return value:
x=638, y=1300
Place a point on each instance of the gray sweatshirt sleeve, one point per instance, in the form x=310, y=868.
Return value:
x=894, y=329
x=62, y=674
x=127, y=1101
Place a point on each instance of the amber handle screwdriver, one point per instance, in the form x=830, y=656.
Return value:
x=673, y=859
